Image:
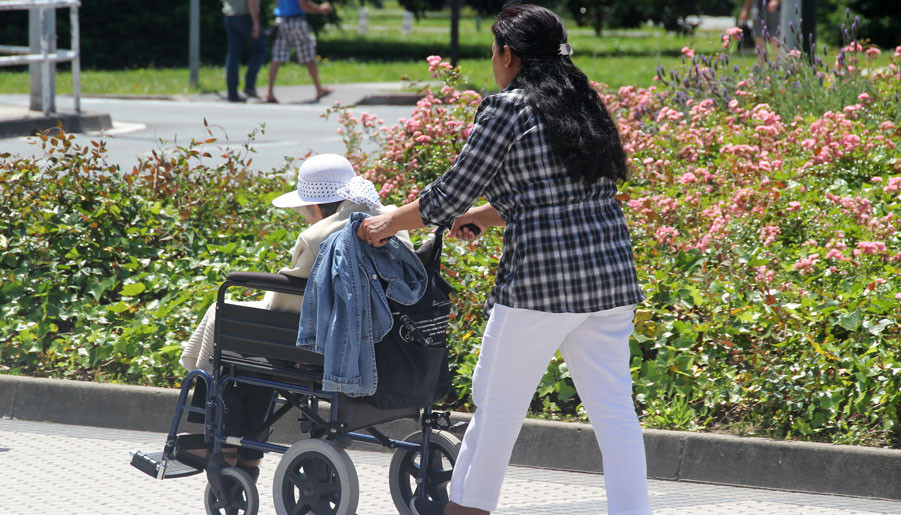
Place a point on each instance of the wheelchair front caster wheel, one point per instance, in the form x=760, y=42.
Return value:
x=241, y=493
x=404, y=471
x=314, y=476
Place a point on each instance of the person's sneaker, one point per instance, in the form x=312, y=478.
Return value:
x=237, y=99
x=420, y=506
x=251, y=93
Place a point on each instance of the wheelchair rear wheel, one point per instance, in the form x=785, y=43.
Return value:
x=314, y=476
x=242, y=494
x=404, y=471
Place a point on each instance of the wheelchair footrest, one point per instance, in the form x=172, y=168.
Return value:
x=150, y=464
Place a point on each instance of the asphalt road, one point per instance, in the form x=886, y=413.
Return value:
x=142, y=126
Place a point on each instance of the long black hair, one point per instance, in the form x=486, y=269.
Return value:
x=581, y=130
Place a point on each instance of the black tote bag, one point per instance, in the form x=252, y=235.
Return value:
x=411, y=360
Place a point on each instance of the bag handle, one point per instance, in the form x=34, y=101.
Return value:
x=437, y=243
x=432, y=255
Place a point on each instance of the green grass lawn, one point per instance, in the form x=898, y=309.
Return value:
x=617, y=58
x=613, y=70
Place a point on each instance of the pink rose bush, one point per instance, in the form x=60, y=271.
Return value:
x=768, y=242
x=416, y=150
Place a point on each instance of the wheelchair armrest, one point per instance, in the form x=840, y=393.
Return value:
x=273, y=282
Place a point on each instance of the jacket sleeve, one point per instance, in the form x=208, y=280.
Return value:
x=302, y=259
x=477, y=164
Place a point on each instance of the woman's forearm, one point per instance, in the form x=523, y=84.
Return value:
x=488, y=215
x=407, y=217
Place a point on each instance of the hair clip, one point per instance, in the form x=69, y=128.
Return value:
x=565, y=49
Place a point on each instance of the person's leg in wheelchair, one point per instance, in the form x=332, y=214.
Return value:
x=246, y=408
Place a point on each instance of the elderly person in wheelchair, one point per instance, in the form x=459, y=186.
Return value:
x=253, y=363
x=328, y=191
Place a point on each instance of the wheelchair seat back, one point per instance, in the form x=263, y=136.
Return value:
x=262, y=333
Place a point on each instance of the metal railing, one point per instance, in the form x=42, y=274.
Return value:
x=48, y=57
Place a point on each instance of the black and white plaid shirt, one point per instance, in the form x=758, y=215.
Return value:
x=566, y=245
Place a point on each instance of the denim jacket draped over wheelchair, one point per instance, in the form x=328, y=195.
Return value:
x=345, y=308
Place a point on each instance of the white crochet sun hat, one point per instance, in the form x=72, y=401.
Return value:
x=329, y=178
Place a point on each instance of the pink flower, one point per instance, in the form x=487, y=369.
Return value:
x=873, y=53
x=886, y=126
x=869, y=247
x=864, y=97
x=764, y=274
x=875, y=179
x=836, y=254
x=898, y=51
x=666, y=234
x=850, y=141
x=805, y=265
x=793, y=206
x=688, y=52
x=768, y=234
x=854, y=46
x=730, y=34
x=894, y=184
x=796, y=54
x=688, y=178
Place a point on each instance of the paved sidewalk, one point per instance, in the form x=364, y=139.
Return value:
x=55, y=468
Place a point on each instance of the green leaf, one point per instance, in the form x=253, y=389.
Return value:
x=130, y=290
x=97, y=288
x=688, y=261
x=564, y=390
x=876, y=329
x=118, y=307
x=850, y=321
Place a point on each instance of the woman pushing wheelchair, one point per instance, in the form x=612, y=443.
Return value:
x=547, y=156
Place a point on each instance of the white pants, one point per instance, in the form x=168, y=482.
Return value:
x=517, y=346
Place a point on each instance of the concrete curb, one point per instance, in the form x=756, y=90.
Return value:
x=672, y=455
x=32, y=124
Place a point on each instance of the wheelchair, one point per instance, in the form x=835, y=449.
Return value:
x=315, y=475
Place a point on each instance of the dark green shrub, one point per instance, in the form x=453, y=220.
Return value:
x=104, y=272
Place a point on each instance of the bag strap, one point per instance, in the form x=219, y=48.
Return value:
x=437, y=242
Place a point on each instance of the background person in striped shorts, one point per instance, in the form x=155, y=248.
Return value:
x=293, y=30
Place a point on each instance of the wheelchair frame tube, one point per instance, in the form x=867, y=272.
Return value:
x=424, y=453
x=183, y=397
x=169, y=448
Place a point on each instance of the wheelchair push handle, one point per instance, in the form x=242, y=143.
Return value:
x=473, y=228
